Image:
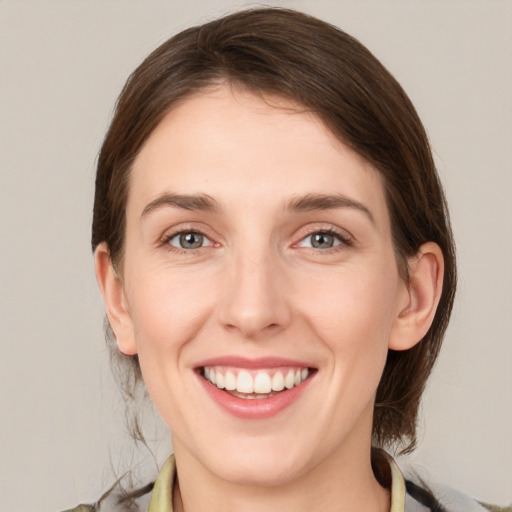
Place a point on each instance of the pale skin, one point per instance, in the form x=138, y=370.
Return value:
x=255, y=283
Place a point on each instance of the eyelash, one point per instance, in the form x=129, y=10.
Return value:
x=343, y=239
x=166, y=241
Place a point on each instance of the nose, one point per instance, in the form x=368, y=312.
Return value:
x=255, y=300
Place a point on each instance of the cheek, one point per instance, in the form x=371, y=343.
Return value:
x=168, y=310
x=352, y=314
x=349, y=301
x=168, y=313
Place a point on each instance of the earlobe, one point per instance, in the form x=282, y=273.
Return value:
x=423, y=291
x=111, y=287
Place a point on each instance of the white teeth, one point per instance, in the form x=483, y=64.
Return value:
x=262, y=383
x=289, y=380
x=219, y=379
x=244, y=382
x=259, y=386
x=230, y=381
x=278, y=382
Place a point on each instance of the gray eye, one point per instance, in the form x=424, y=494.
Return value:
x=188, y=240
x=323, y=240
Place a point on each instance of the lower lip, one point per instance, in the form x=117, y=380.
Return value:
x=257, y=408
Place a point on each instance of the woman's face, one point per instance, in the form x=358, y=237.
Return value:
x=258, y=255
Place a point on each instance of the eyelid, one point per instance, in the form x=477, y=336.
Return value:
x=183, y=228
x=345, y=238
x=180, y=233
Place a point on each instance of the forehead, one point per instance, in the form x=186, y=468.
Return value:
x=229, y=142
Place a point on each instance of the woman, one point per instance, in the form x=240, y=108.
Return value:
x=274, y=251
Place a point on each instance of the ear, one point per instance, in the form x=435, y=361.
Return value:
x=421, y=295
x=111, y=287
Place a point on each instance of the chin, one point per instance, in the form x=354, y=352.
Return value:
x=263, y=472
x=259, y=464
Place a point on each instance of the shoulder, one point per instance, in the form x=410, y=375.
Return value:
x=123, y=498
x=118, y=499
x=494, y=508
x=412, y=493
x=423, y=497
x=81, y=508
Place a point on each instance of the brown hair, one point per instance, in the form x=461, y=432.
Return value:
x=292, y=55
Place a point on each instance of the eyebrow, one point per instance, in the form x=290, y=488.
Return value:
x=306, y=203
x=202, y=202
x=311, y=202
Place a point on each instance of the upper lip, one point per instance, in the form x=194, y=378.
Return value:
x=252, y=363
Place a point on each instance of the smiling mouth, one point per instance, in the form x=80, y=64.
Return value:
x=255, y=384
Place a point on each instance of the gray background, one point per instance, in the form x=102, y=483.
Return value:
x=62, y=65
